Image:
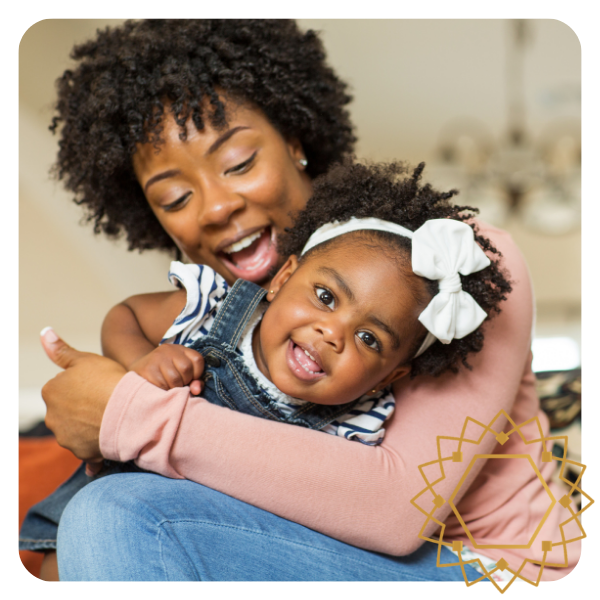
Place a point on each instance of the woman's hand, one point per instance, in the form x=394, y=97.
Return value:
x=76, y=398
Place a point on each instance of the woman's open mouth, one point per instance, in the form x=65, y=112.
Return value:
x=303, y=364
x=253, y=256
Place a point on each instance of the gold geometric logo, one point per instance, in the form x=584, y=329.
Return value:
x=456, y=456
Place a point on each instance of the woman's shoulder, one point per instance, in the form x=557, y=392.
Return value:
x=500, y=238
x=511, y=260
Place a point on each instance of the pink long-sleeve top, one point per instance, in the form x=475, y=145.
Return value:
x=331, y=485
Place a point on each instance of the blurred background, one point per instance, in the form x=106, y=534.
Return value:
x=492, y=106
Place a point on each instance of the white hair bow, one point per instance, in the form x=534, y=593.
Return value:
x=441, y=249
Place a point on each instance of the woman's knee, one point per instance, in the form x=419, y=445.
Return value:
x=110, y=500
x=108, y=530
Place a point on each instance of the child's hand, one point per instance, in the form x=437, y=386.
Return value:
x=170, y=366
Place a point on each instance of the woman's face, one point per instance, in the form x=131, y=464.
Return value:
x=223, y=196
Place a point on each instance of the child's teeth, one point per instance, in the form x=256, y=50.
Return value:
x=309, y=356
x=243, y=243
x=313, y=359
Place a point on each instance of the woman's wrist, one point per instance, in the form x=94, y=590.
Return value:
x=124, y=390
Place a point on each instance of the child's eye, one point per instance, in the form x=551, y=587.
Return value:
x=369, y=340
x=325, y=297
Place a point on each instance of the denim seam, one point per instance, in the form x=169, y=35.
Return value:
x=233, y=367
x=258, y=296
x=219, y=525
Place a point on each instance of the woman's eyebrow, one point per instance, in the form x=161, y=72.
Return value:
x=223, y=138
x=160, y=176
x=213, y=148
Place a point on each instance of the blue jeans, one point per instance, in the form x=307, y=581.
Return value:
x=143, y=527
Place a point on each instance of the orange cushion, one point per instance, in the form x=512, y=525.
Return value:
x=43, y=466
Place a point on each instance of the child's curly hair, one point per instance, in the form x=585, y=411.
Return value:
x=385, y=191
x=125, y=78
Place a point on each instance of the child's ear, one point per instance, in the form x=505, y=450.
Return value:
x=291, y=264
x=397, y=373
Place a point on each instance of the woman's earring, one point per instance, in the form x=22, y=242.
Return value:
x=271, y=291
x=303, y=162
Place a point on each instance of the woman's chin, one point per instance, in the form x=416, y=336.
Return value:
x=259, y=273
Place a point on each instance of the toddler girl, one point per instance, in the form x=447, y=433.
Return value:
x=360, y=302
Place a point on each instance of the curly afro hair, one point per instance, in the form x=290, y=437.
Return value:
x=389, y=191
x=129, y=76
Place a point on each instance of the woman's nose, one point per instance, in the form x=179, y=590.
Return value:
x=219, y=204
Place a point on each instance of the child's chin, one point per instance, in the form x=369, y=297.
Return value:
x=295, y=391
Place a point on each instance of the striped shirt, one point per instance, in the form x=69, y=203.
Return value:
x=205, y=290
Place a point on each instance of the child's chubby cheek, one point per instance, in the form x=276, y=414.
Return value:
x=284, y=319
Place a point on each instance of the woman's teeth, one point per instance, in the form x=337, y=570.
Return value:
x=243, y=243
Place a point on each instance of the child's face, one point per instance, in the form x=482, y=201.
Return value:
x=339, y=325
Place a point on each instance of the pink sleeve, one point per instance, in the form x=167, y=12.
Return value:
x=355, y=493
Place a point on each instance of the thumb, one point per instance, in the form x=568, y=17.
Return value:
x=59, y=352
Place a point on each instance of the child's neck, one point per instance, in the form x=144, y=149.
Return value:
x=259, y=358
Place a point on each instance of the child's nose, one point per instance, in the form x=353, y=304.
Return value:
x=333, y=332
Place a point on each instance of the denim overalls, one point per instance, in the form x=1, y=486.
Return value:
x=227, y=382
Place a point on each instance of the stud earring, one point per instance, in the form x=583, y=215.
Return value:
x=271, y=291
x=374, y=391
x=303, y=162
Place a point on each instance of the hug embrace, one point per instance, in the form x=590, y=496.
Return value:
x=265, y=421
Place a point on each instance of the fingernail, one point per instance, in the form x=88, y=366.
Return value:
x=49, y=335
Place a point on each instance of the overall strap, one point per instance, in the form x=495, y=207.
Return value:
x=236, y=310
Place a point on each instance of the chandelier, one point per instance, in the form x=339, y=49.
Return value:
x=536, y=180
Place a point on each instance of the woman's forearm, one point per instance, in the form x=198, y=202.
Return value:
x=355, y=493
x=352, y=492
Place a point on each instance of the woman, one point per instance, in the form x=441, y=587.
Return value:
x=201, y=137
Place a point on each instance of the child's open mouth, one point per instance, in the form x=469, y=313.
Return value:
x=304, y=364
x=253, y=256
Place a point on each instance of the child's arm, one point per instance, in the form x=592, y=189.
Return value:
x=132, y=331
x=135, y=327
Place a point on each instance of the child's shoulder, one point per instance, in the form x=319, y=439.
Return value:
x=205, y=289
x=193, y=276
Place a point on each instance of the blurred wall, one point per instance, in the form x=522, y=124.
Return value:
x=408, y=77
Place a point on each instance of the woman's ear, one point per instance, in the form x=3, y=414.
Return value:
x=297, y=153
x=291, y=264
